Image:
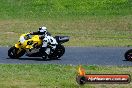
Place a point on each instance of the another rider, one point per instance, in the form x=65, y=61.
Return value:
x=47, y=39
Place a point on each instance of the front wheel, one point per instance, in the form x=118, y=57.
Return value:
x=14, y=52
x=128, y=55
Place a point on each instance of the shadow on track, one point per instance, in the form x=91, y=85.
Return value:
x=34, y=59
x=127, y=60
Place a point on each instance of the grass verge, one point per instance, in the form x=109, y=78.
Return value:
x=92, y=31
x=88, y=23
x=54, y=76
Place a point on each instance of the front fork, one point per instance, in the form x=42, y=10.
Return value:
x=18, y=46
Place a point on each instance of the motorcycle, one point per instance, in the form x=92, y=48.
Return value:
x=32, y=45
x=128, y=55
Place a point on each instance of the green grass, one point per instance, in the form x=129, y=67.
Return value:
x=115, y=31
x=87, y=22
x=39, y=9
x=54, y=76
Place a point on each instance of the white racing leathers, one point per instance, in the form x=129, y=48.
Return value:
x=49, y=40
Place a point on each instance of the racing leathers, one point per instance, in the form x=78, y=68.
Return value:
x=47, y=40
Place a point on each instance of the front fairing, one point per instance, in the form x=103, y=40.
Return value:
x=24, y=44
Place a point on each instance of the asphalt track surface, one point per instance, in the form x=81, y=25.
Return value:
x=76, y=56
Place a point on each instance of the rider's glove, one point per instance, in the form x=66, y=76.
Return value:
x=31, y=33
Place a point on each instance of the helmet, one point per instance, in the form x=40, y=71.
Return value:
x=43, y=29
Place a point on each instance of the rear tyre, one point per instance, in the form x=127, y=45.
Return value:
x=59, y=51
x=12, y=52
x=128, y=55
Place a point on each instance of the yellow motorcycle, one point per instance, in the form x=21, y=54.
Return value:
x=30, y=46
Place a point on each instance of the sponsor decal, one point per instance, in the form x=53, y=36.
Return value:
x=83, y=78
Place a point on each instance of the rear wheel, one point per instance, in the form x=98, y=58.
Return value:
x=13, y=52
x=59, y=51
x=128, y=55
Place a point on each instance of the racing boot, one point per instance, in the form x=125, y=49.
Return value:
x=43, y=53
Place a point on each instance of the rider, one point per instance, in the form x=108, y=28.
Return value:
x=41, y=31
x=47, y=39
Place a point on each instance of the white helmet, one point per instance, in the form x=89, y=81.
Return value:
x=43, y=29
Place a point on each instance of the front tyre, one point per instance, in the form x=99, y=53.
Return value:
x=128, y=55
x=13, y=52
